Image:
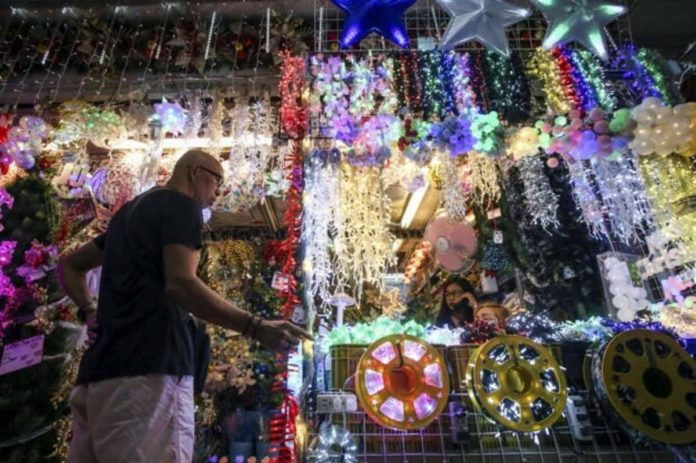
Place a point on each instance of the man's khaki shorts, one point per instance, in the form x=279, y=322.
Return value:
x=138, y=419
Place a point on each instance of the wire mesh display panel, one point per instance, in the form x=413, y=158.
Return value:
x=425, y=22
x=461, y=435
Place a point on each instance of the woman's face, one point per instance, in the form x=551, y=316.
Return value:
x=487, y=314
x=454, y=294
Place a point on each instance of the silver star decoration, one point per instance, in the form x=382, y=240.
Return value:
x=581, y=21
x=482, y=20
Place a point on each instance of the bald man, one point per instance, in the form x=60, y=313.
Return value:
x=133, y=401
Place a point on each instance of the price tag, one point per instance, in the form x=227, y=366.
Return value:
x=280, y=281
x=22, y=354
x=298, y=315
x=498, y=237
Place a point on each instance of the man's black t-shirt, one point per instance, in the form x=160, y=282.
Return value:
x=141, y=331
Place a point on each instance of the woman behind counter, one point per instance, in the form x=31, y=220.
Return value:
x=458, y=304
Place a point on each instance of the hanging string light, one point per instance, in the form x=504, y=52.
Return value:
x=362, y=245
x=483, y=179
x=321, y=206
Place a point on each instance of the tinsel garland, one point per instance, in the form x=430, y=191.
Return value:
x=321, y=205
x=294, y=119
x=652, y=64
x=593, y=74
x=480, y=331
x=508, y=89
x=454, y=198
x=483, y=179
x=623, y=197
x=586, y=199
x=540, y=201
x=449, y=70
x=578, y=89
x=669, y=179
x=571, y=81
x=433, y=89
x=478, y=81
x=645, y=75
x=407, y=81
x=543, y=67
x=362, y=246
x=293, y=114
x=292, y=219
x=464, y=96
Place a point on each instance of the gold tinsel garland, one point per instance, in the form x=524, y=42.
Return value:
x=543, y=66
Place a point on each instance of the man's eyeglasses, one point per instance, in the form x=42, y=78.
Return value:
x=454, y=293
x=218, y=178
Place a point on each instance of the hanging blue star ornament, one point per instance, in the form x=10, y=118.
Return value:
x=381, y=16
x=482, y=20
x=581, y=21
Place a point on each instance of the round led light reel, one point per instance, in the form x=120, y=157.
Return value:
x=517, y=382
x=402, y=382
x=649, y=381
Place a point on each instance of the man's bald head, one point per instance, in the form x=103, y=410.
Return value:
x=199, y=175
x=193, y=158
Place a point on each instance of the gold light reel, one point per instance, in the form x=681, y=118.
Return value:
x=517, y=383
x=402, y=382
x=650, y=382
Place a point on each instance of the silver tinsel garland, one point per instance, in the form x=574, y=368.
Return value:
x=540, y=201
x=624, y=198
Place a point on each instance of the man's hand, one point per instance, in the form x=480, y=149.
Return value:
x=92, y=328
x=280, y=335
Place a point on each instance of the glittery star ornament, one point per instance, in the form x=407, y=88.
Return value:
x=581, y=21
x=381, y=16
x=482, y=20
